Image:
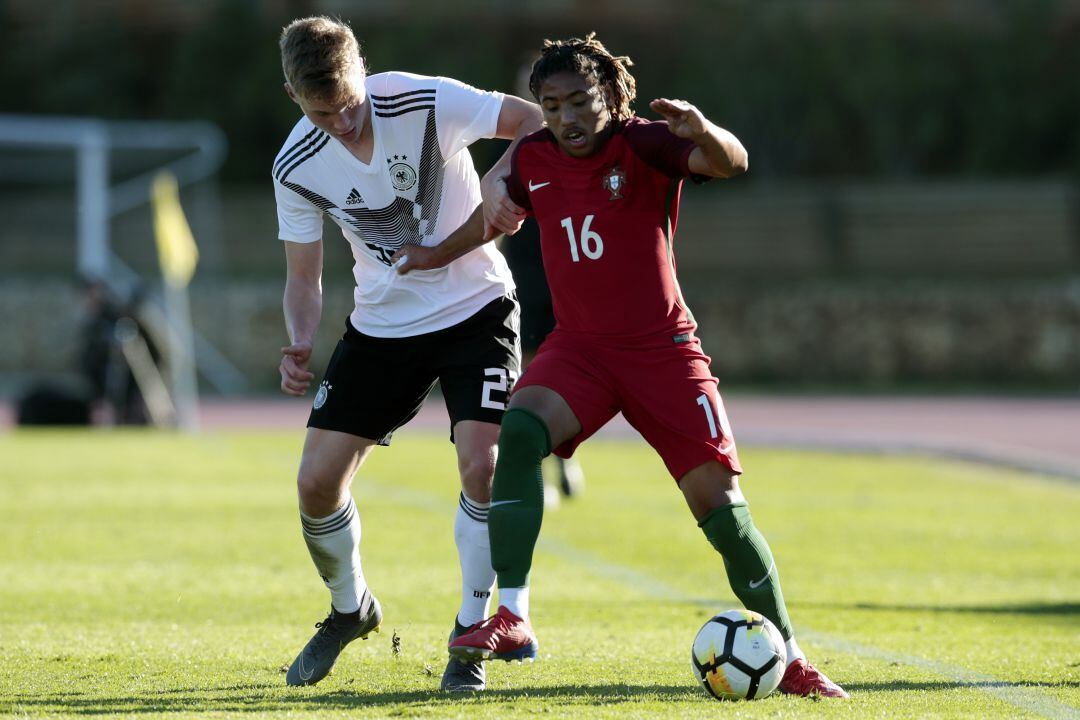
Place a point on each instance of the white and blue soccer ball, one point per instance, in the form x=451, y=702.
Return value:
x=738, y=655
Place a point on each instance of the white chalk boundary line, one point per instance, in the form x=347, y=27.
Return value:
x=1019, y=696
x=1047, y=470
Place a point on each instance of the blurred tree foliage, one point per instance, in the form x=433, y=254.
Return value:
x=852, y=89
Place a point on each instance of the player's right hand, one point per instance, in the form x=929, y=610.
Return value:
x=415, y=257
x=501, y=214
x=295, y=377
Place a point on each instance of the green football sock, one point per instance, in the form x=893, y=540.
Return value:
x=749, y=562
x=517, y=496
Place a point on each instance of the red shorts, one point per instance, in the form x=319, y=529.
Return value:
x=665, y=392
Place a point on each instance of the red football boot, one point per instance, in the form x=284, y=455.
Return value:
x=503, y=636
x=802, y=678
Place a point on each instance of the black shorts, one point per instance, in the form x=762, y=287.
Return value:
x=522, y=252
x=537, y=316
x=375, y=385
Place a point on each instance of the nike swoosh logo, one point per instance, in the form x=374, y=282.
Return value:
x=537, y=186
x=502, y=502
x=304, y=676
x=756, y=585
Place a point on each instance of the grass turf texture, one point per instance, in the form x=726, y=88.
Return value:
x=146, y=574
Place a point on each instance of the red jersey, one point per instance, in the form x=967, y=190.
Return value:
x=607, y=223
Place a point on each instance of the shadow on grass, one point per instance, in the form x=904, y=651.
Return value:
x=255, y=697
x=1063, y=609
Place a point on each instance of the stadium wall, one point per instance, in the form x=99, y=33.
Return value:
x=879, y=285
x=1000, y=334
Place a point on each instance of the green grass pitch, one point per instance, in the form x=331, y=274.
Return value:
x=156, y=575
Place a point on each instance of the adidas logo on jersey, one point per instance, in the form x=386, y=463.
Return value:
x=354, y=198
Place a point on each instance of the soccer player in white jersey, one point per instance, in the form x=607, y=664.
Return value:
x=385, y=157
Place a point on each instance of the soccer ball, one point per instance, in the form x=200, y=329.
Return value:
x=738, y=655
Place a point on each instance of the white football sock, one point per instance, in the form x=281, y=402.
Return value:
x=334, y=545
x=516, y=600
x=794, y=652
x=474, y=553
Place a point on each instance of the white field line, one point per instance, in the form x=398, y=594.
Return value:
x=1019, y=696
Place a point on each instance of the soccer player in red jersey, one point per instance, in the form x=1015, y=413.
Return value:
x=604, y=187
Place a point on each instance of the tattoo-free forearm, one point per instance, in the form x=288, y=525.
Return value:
x=464, y=240
x=723, y=152
x=302, y=305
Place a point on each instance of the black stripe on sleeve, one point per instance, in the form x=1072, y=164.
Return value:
x=282, y=174
x=383, y=98
x=403, y=103
x=414, y=108
x=287, y=156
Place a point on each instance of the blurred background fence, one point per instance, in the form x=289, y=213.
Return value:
x=911, y=217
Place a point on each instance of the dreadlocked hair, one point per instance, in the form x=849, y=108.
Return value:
x=591, y=60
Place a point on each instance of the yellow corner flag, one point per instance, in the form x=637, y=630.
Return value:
x=177, y=251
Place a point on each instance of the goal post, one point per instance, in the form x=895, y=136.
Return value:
x=199, y=150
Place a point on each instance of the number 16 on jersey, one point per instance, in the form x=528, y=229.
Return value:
x=591, y=245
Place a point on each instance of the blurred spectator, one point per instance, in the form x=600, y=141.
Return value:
x=108, y=325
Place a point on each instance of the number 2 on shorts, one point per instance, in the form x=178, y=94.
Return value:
x=503, y=383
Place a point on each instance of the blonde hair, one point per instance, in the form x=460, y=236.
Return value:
x=321, y=59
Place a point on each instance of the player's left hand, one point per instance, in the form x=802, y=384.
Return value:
x=683, y=119
x=501, y=214
x=415, y=257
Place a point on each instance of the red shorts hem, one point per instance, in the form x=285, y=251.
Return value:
x=729, y=460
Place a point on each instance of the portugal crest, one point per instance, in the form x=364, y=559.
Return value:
x=614, y=182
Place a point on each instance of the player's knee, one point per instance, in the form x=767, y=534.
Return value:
x=319, y=494
x=710, y=486
x=476, y=471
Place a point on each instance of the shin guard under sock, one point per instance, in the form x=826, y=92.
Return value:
x=517, y=496
x=749, y=562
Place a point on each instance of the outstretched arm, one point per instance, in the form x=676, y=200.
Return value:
x=517, y=118
x=303, y=309
x=718, y=152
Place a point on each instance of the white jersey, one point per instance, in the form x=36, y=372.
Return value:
x=419, y=187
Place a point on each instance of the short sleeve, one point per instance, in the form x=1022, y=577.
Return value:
x=298, y=219
x=464, y=114
x=660, y=148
